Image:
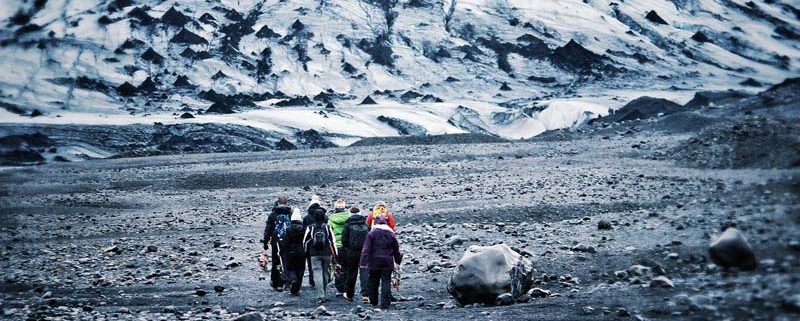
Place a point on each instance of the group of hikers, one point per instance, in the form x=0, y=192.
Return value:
x=347, y=244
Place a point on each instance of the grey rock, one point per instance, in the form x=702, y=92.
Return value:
x=504, y=299
x=252, y=316
x=485, y=272
x=539, y=293
x=321, y=311
x=731, y=250
x=604, y=225
x=584, y=248
x=640, y=270
x=661, y=282
x=792, y=303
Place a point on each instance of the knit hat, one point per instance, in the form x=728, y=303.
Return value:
x=296, y=216
x=380, y=220
x=339, y=204
x=314, y=200
x=354, y=210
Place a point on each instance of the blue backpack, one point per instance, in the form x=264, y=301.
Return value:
x=281, y=224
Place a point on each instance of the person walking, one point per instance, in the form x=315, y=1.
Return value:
x=353, y=236
x=380, y=209
x=308, y=220
x=320, y=246
x=380, y=253
x=274, y=232
x=337, y=221
x=293, y=250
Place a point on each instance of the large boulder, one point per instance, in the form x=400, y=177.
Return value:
x=731, y=250
x=486, y=272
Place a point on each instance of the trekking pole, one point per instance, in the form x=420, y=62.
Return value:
x=396, y=275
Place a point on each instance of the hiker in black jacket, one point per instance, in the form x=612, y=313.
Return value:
x=293, y=252
x=320, y=244
x=353, y=236
x=276, y=223
x=308, y=220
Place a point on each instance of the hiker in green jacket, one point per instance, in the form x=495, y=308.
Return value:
x=336, y=221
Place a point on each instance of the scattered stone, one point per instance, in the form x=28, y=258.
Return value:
x=200, y=292
x=621, y=275
x=622, y=313
x=219, y=288
x=640, y=270
x=186, y=116
x=539, y=293
x=661, y=282
x=604, y=225
x=170, y=309
x=152, y=248
x=731, y=250
x=505, y=299
x=584, y=248
x=252, y=316
x=321, y=311
x=792, y=303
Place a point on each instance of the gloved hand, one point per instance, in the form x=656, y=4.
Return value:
x=263, y=260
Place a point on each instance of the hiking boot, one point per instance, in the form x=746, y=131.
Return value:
x=364, y=299
x=344, y=295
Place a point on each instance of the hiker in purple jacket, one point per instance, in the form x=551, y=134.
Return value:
x=381, y=251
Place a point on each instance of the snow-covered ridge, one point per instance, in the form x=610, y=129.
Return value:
x=512, y=68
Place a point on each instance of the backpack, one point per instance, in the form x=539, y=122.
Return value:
x=358, y=233
x=281, y=224
x=294, y=239
x=319, y=237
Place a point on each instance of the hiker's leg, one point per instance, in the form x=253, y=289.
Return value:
x=326, y=275
x=363, y=280
x=310, y=271
x=372, y=286
x=386, y=288
x=298, y=268
x=351, y=272
x=275, y=272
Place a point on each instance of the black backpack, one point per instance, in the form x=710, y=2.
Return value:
x=294, y=239
x=319, y=236
x=358, y=233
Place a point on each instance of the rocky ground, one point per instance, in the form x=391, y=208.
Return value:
x=177, y=237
